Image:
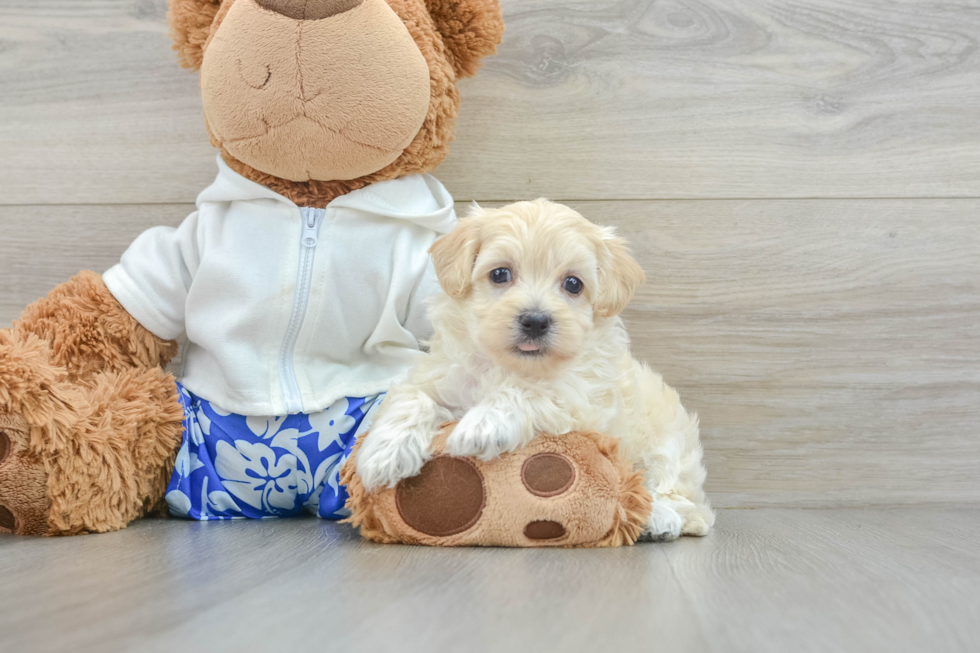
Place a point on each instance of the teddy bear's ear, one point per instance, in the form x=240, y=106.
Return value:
x=190, y=25
x=471, y=30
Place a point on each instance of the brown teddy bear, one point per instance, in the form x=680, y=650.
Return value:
x=300, y=282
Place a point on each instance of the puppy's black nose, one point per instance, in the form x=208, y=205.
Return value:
x=535, y=324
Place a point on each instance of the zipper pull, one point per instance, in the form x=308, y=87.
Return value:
x=309, y=231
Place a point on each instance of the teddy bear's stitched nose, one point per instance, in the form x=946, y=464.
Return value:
x=309, y=9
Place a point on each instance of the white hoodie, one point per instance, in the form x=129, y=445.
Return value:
x=288, y=309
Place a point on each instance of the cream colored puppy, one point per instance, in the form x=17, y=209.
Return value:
x=527, y=340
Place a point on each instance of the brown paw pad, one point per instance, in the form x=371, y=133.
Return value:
x=543, y=530
x=24, y=502
x=7, y=520
x=5, y=446
x=445, y=498
x=547, y=474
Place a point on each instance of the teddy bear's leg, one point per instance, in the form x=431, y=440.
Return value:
x=569, y=490
x=35, y=401
x=89, y=421
x=83, y=458
x=88, y=331
x=122, y=453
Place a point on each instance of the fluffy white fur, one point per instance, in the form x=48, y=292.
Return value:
x=504, y=386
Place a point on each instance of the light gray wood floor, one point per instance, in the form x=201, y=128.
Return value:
x=779, y=580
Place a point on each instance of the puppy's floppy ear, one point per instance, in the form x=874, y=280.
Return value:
x=619, y=274
x=454, y=254
x=190, y=27
x=471, y=30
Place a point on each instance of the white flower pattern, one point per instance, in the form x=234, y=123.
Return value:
x=254, y=474
x=332, y=424
x=233, y=467
x=264, y=427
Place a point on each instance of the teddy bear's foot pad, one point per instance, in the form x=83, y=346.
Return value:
x=544, y=529
x=447, y=497
x=24, y=502
x=569, y=490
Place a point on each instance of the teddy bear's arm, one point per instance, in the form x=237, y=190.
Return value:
x=88, y=331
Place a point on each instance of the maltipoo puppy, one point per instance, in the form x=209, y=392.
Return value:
x=528, y=340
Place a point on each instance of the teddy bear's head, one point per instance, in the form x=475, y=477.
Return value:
x=315, y=98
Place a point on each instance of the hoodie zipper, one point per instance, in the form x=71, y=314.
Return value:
x=291, y=394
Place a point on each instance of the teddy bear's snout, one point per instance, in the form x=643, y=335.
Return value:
x=309, y=9
x=281, y=89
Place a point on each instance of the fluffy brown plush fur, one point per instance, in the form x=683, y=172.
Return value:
x=470, y=29
x=89, y=421
x=604, y=505
x=115, y=463
x=191, y=23
x=87, y=331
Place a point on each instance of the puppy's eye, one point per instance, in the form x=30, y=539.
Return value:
x=573, y=285
x=500, y=275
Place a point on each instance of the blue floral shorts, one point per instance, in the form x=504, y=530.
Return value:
x=235, y=467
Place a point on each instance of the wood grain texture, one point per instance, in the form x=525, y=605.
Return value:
x=652, y=99
x=831, y=348
x=770, y=580
x=588, y=99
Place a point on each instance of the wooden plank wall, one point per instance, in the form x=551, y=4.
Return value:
x=801, y=181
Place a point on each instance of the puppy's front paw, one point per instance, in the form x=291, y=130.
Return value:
x=485, y=432
x=664, y=524
x=388, y=456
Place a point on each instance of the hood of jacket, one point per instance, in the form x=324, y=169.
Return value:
x=419, y=199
